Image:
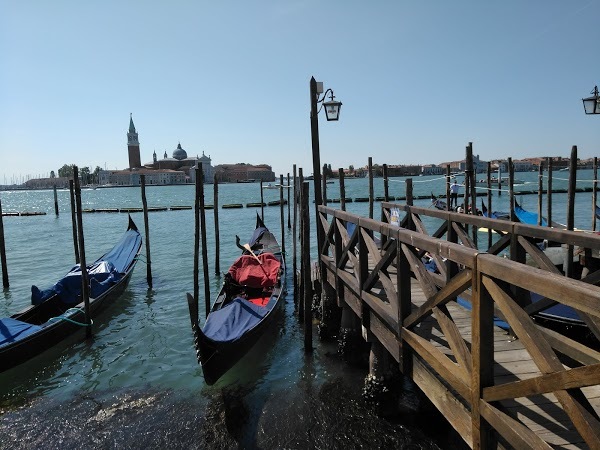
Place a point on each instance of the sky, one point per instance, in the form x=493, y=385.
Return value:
x=418, y=80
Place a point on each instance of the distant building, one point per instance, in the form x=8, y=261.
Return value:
x=231, y=173
x=460, y=166
x=432, y=169
x=177, y=169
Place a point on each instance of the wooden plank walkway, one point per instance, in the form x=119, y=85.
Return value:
x=541, y=390
x=542, y=414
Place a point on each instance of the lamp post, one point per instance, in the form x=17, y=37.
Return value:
x=591, y=105
x=332, y=112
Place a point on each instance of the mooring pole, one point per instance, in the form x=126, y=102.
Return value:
x=386, y=184
x=306, y=272
x=499, y=180
x=302, y=289
x=342, y=189
x=85, y=283
x=489, y=199
x=217, y=238
x=324, y=181
x=146, y=231
x=282, y=214
x=472, y=171
x=594, y=193
x=288, y=200
x=204, y=244
x=74, y=220
x=295, y=237
x=540, y=191
x=197, y=236
x=549, y=195
x=55, y=200
x=371, y=191
x=3, y=252
x=448, y=205
x=262, y=202
x=511, y=191
x=571, y=208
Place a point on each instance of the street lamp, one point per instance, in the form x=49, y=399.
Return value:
x=332, y=111
x=592, y=104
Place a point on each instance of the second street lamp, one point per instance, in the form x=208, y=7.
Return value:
x=592, y=104
x=332, y=110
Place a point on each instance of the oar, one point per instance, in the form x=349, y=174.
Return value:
x=247, y=247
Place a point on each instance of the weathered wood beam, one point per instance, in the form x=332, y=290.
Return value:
x=565, y=379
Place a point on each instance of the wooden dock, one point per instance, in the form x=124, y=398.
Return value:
x=532, y=388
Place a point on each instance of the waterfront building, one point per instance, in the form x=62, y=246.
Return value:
x=177, y=169
x=231, y=173
x=432, y=169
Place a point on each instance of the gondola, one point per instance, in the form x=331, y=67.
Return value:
x=57, y=312
x=495, y=214
x=245, y=306
x=438, y=204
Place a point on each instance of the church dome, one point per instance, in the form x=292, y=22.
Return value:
x=179, y=153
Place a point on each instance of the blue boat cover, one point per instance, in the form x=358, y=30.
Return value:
x=12, y=330
x=258, y=232
x=103, y=273
x=230, y=322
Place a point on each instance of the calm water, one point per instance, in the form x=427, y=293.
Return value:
x=137, y=383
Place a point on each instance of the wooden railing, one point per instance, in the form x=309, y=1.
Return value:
x=378, y=270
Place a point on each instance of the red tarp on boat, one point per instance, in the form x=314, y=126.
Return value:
x=247, y=271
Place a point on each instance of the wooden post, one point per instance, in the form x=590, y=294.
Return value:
x=262, y=202
x=146, y=232
x=55, y=200
x=489, y=199
x=499, y=179
x=386, y=198
x=472, y=181
x=342, y=189
x=85, y=283
x=324, y=181
x=300, y=192
x=448, y=208
x=74, y=220
x=3, y=252
x=371, y=199
x=594, y=193
x=517, y=252
x=288, y=200
x=549, y=194
x=216, y=215
x=409, y=202
x=571, y=208
x=482, y=357
x=306, y=278
x=295, y=237
x=198, y=191
x=204, y=244
x=282, y=214
x=511, y=192
x=540, y=191
x=386, y=187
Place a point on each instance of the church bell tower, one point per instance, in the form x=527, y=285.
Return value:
x=133, y=146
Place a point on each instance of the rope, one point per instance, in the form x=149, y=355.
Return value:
x=443, y=177
x=140, y=258
x=566, y=179
x=71, y=310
